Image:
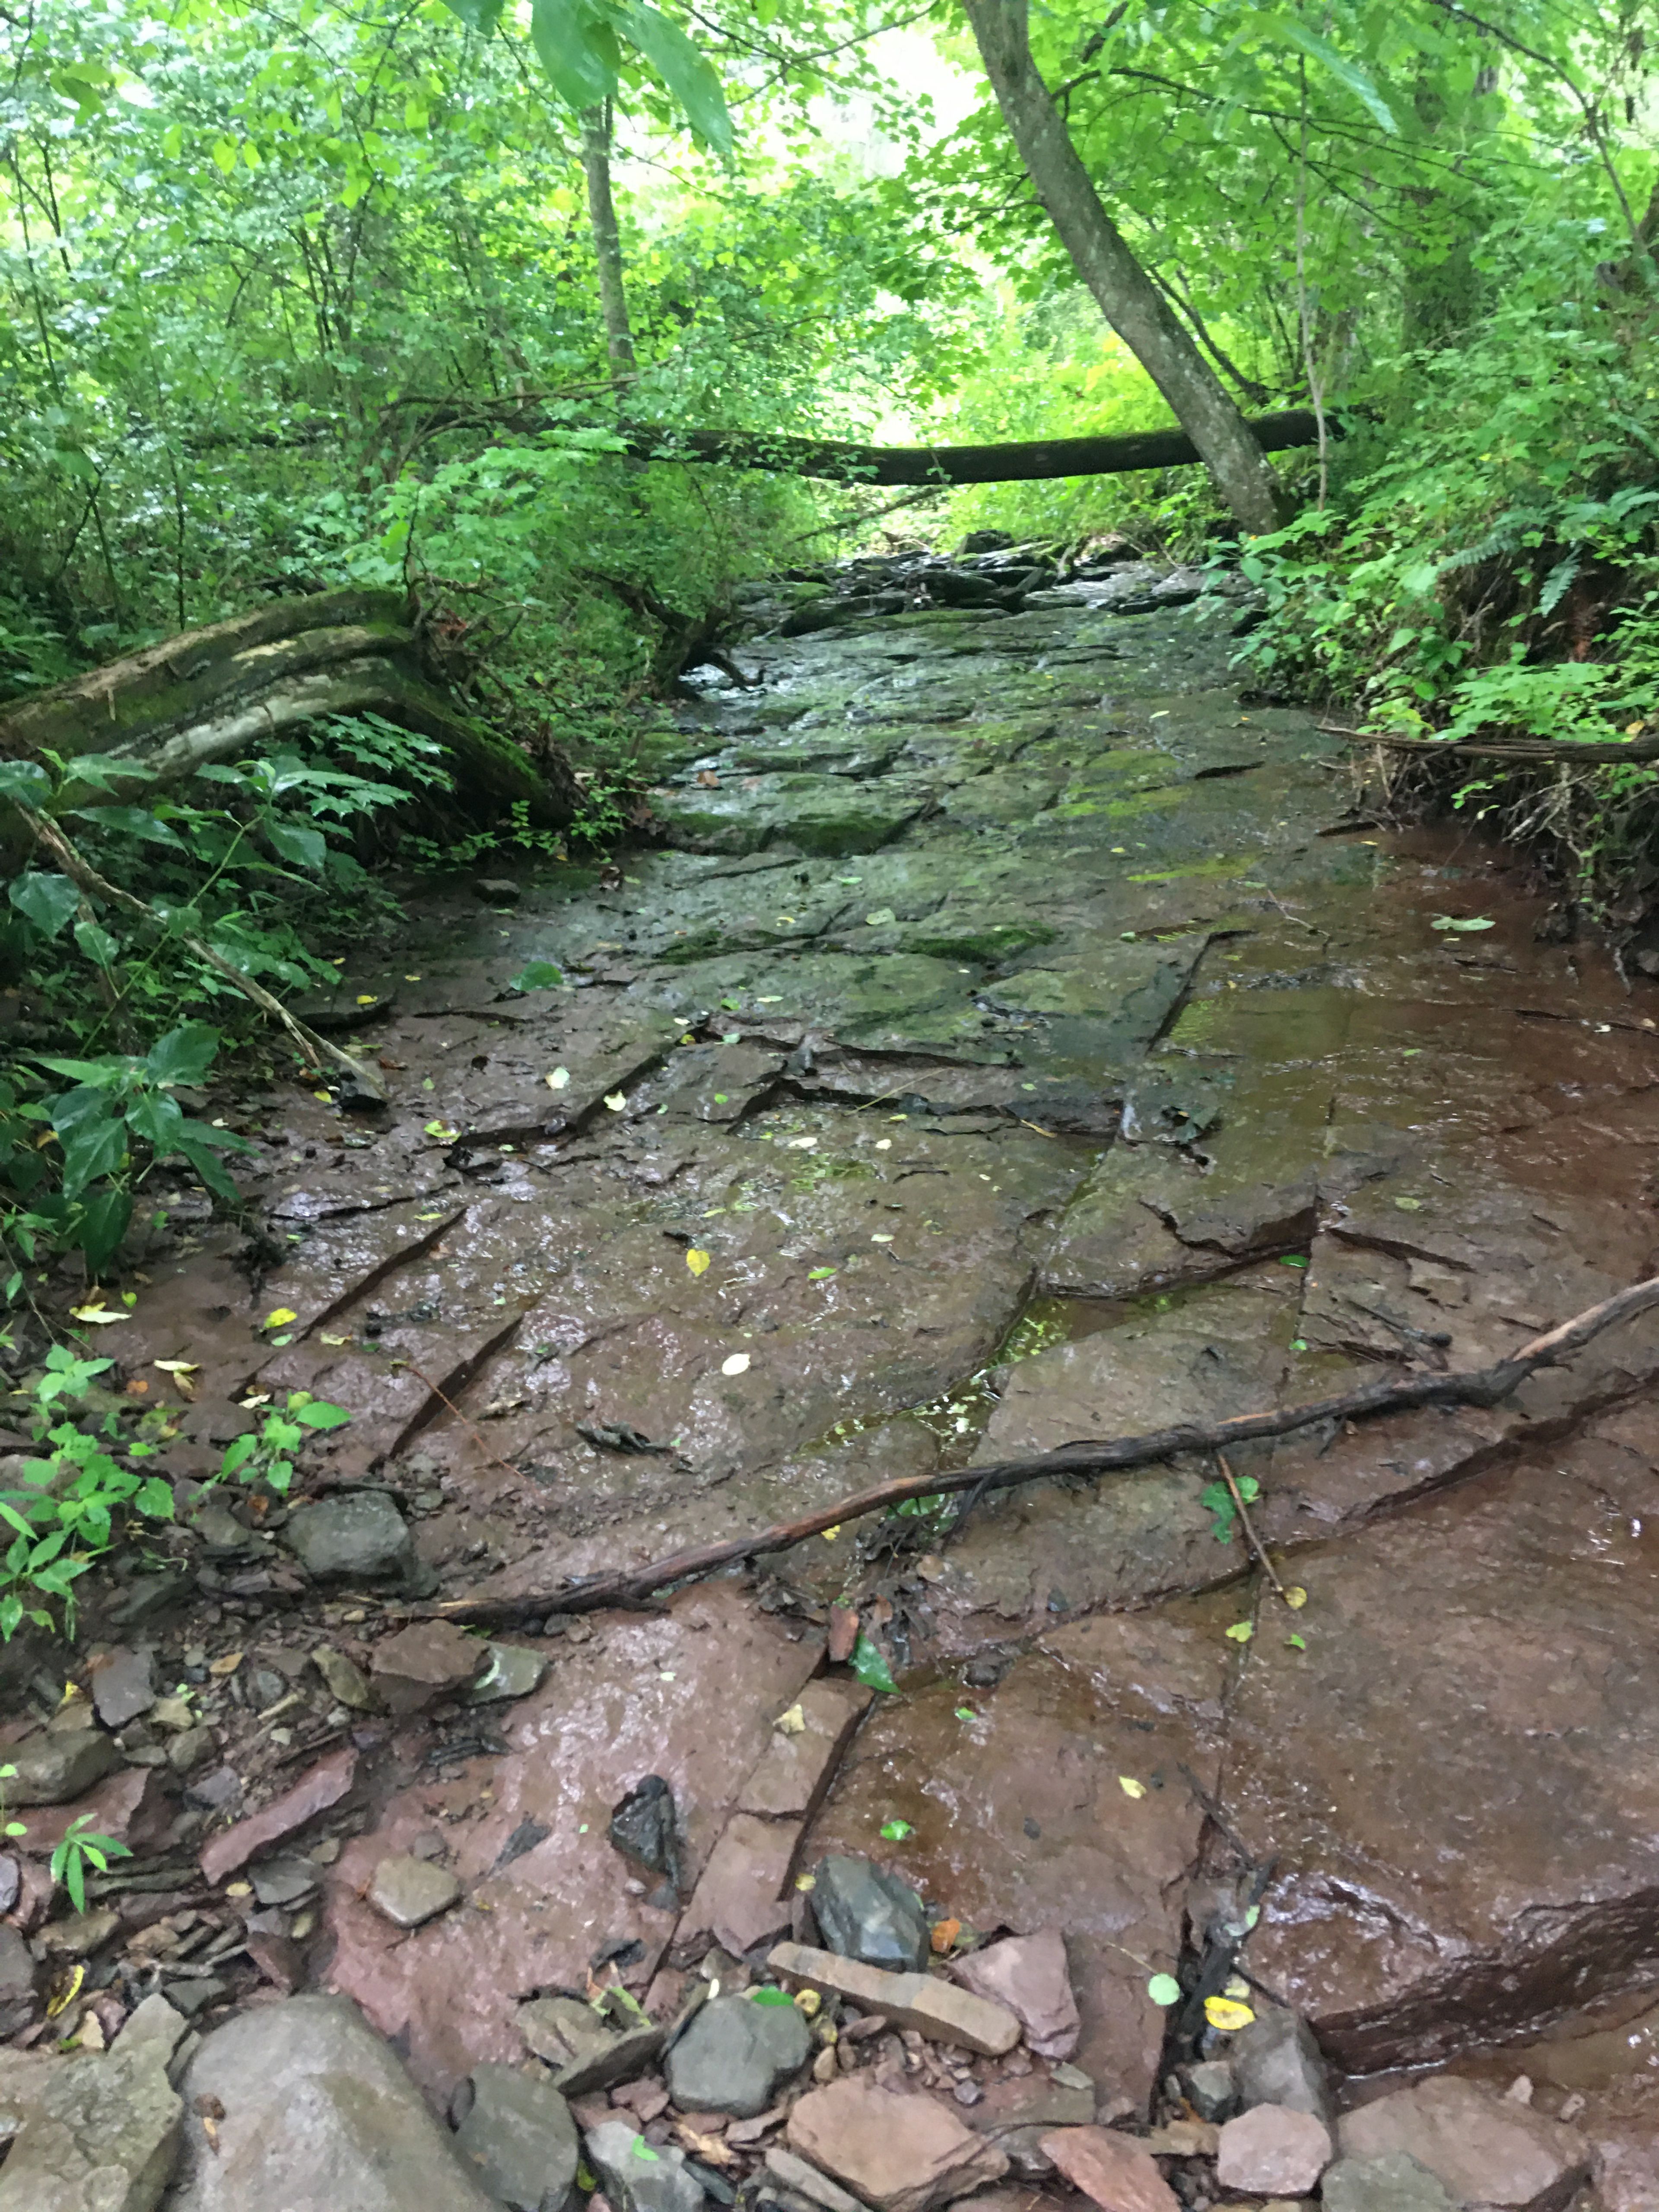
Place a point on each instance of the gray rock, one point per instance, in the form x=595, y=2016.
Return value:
x=359, y=1536
x=1392, y=2183
x=1211, y=2089
x=283, y=1881
x=11, y=1880
x=866, y=1912
x=192, y=1749
x=563, y=2031
x=509, y=1671
x=637, y=2176
x=410, y=1892
x=319, y=2117
x=1275, y=2061
x=734, y=2054
x=153, y=2025
x=16, y=1981
x=103, y=2137
x=346, y=1681
x=123, y=1688
x=497, y=890
x=521, y=2140
x=805, y=2181
x=52, y=1770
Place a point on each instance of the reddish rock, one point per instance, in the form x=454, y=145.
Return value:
x=279, y=1958
x=738, y=1902
x=423, y=1662
x=1487, y=2150
x=798, y=1764
x=323, y=1786
x=900, y=2153
x=1272, y=2150
x=843, y=1634
x=136, y=1806
x=1029, y=1975
x=927, y=2002
x=1111, y=2168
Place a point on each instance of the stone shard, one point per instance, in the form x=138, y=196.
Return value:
x=123, y=1686
x=1276, y=2061
x=103, y=2137
x=1111, y=2168
x=1273, y=2149
x=563, y=2031
x=1394, y=2183
x=637, y=2176
x=799, y=1763
x=806, y=2181
x=345, y=1679
x=359, y=1537
x=519, y=2139
x=509, y=1671
x=1484, y=2148
x=866, y=1912
x=740, y=1897
x=428, y=1659
x=735, y=2053
x=933, y=2007
x=136, y=1806
x=899, y=2154
x=410, y=1892
x=323, y=1786
x=317, y=2116
x=1212, y=2090
x=1029, y=1976
x=53, y=1769
x=155, y=2024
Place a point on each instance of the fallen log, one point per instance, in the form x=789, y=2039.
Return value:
x=208, y=695
x=1028, y=462
x=1539, y=752
x=1480, y=1386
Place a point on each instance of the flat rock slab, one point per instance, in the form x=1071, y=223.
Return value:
x=1111, y=2168
x=637, y=2178
x=690, y=1694
x=1472, y=1738
x=426, y=1661
x=735, y=2054
x=410, y=1891
x=1055, y=1841
x=50, y=1770
x=317, y=2115
x=1031, y=1977
x=1274, y=2150
x=1484, y=2150
x=317, y=1791
x=931, y=2006
x=898, y=2154
x=1394, y=2182
x=103, y=2137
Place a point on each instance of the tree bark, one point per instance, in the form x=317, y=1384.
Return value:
x=1103, y=259
x=607, y=241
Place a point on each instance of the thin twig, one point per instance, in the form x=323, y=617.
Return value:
x=506, y=1465
x=1481, y=1386
x=1244, y=1522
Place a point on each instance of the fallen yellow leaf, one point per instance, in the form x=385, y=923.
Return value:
x=228, y=1665
x=1130, y=1787
x=1296, y=1597
x=793, y=1722
x=65, y=1991
x=176, y=1366
x=100, y=1315
x=559, y=1079
x=365, y=998
x=697, y=1262
x=279, y=1317
x=1226, y=2014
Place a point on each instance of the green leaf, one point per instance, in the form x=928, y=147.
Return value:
x=769, y=1996
x=46, y=901
x=158, y=1119
x=567, y=37
x=306, y=849
x=97, y=1149
x=99, y=946
x=207, y=1166
x=870, y=1667
x=1163, y=1989
x=155, y=1498
x=240, y=1451
x=184, y=1054
x=480, y=15
x=1340, y=67
x=537, y=976
x=1457, y=922
x=897, y=1830
x=688, y=74
x=319, y=1414
x=131, y=822
x=103, y=1225
x=25, y=781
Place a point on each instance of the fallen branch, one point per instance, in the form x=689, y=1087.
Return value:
x=1481, y=1386
x=317, y=1049
x=1566, y=754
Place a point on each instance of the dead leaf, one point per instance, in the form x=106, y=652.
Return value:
x=944, y=1934
x=793, y=1722
x=227, y=1665
x=709, y=2149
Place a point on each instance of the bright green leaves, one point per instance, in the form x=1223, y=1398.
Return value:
x=690, y=78
x=47, y=901
x=1216, y=1499
x=1347, y=73
x=870, y=1665
x=579, y=44
x=578, y=49
x=480, y=15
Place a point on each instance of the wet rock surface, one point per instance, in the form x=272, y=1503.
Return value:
x=734, y=2055
x=1017, y=1040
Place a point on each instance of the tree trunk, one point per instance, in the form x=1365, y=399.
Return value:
x=607, y=241
x=213, y=694
x=1125, y=293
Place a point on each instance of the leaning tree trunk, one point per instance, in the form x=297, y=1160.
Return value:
x=1103, y=259
x=607, y=240
x=210, y=695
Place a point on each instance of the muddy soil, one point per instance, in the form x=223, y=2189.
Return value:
x=1019, y=1039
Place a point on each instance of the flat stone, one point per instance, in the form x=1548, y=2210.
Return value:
x=799, y=1762
x=1028, y=1975
x=509, y=1671
x=136, y=1806
x=563, y=2031
x=318, y=2117
x=931, y=2005
x=123, y=1686
x=1027, y=2105
x=360, y=1537
x=735, y=2053
x=53, y=1769
x=279, y=1958
x=78, y=1935
x=1276, y=2060
x=192, y=1749
x=16, y=1966
x=154, y=2023
x=1274, y=2150
x=1484, y=2148
x=866, y=1912
x=806, y=2181
x=1396, y=2182
x=423, y=1662
x=283, y=1881
x=344, y=1677
x=498, y=890
x=637, y=2178
x=521, y=2140
x=899, y=2154
x=1212, y=2091
x=103, y=2137
x=410, y=1891
x=11, y=1880
x=740, y=1900
x=323, y=1786
x=1111, y=2168
x=623, y=2059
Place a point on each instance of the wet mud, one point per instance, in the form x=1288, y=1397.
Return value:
x=1017, y=1038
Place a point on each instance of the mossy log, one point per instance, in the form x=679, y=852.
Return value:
x=210, y=695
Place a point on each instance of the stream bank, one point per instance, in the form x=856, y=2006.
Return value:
x=1017, y=1039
